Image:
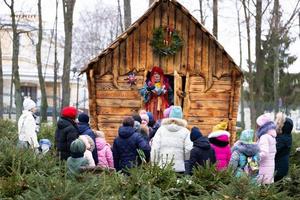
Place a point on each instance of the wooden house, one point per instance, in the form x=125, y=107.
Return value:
x=201, y=68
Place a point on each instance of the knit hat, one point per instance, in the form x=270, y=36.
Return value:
x=167, y=112
x=176, y=112
x=195, y=134
x=77, y=148
x=82, y=117
x=88, y=141
x=99, y=134
x=247, y=136
x=263, y=119
x=28, y=104
x=220, y=126
x=145, y=119
x=137, y=118
x=69, y=112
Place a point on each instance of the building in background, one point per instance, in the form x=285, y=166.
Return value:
x=28, y=66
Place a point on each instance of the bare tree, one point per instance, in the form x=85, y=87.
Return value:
x=54, y=111
x=259, y=89
x=245, y=4
x=44, y=103
x=215, y=18
x=1, y=83
x=127, y=13
x=120, y=19
x=240, y=63
x=96, y=29
x=15, y=65
x=68, y=9
x=202, y=20
x=150, y=2
x=276, y=31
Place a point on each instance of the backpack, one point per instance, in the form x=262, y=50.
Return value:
x=252, y=166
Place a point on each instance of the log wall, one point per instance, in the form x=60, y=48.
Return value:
x=213, y=84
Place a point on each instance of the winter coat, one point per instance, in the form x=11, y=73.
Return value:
x=283, y=147
x=240, y=153
x=105, y=156
x=154, y=129
x=267, y=146
x=74, y=164
x=84, y=129
x=26, y=129
x=200, y=154
x=172, y=143
x=219, y=141
x=88, y=155
x=125, y=148
x=66, y=132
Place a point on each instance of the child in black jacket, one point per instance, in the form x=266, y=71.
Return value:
x=201, y=152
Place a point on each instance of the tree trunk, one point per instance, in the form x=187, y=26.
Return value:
x=240, y=64
x=54, y=110
x=259, y=86
x=127, y=13
x=15, y=65
x=215, y=18
x=150, y=2
x=120, y=17
x=250, y=79
x=68, y=8
x=202, y=20
x=1, y=84
x=44, y=103
x=276, y=55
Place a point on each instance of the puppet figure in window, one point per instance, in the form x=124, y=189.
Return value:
x=157, y=93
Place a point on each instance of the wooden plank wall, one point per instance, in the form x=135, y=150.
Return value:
x=114, y=104
x=210, y=86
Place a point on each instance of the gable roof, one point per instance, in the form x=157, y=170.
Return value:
x=136, y=24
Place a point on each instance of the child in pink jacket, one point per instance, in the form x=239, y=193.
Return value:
x=266, y=134
x=219, y=141
x=105, y=157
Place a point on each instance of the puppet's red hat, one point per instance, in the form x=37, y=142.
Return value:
x=158, y=70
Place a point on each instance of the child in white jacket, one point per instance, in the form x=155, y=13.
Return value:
x=90, y=145
x=27, y=126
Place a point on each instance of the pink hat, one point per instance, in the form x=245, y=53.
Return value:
x=167, y=112
x=263, y=119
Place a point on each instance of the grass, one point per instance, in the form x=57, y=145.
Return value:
x=24, y=175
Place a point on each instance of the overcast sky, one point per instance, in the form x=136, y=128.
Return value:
x=228, y=34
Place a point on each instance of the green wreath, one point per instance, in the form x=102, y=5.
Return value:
x=164, y=47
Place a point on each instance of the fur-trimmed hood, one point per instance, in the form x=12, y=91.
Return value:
x=246, y=149
x=174, y=124
x=219, y=133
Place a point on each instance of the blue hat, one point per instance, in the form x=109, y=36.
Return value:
x=247, y=136
x=195, y=134
x=176, y=112
x=83, y=118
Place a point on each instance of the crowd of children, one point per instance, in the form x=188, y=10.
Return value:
x=168, y=140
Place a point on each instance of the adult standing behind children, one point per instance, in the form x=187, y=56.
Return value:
x=66, y=132
x=85, y=129
x=266, y=134
x=172, y=141
x=284, y=127
x=27, y=126
x=127, y=143
x=202, y=153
